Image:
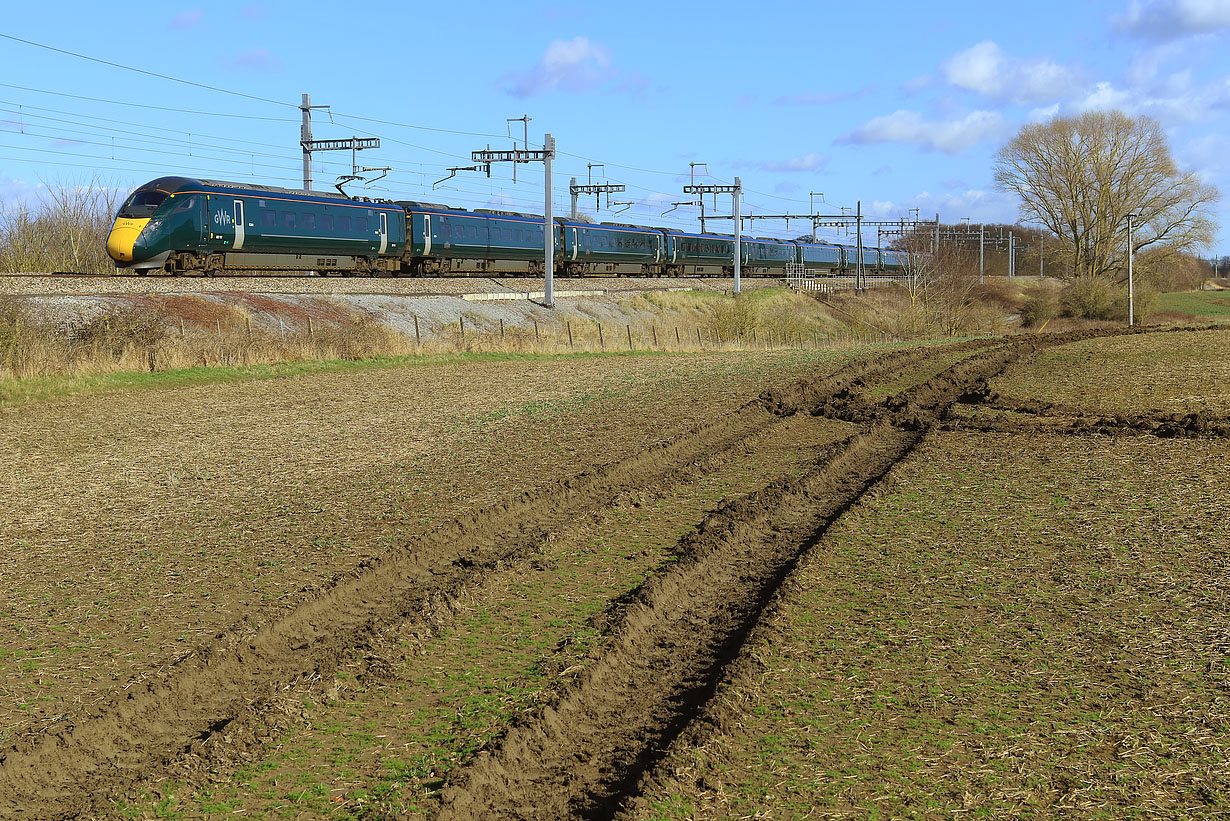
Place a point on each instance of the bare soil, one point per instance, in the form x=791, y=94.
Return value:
x=569, y=588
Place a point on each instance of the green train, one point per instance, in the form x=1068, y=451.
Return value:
x=179, y=225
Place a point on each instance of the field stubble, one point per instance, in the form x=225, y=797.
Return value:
x=558, y=651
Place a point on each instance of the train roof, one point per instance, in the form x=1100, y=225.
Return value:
x=178, y=185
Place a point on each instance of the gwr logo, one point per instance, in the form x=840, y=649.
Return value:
x=223, y=218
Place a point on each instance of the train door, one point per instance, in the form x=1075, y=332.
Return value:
x=384, y=232
x=240, y=225
x=427, y=235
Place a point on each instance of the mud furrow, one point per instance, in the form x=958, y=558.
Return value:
x=77, y=765
x=584, y=754
x=581, y=754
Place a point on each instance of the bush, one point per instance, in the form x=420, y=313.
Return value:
x=65, y=231
x=1093, y=297
x=1041, y=305
x=736, y=315
x=121, y=329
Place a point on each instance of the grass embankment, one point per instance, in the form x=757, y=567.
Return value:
x=1175, y=372
x=132, y=348
x=1195, y=305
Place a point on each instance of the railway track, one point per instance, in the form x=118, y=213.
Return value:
x=63, y=283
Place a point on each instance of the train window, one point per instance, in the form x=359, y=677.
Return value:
x=142, y=204
x=343, y=223
x=360, y=225
x=309, y=222
x=269, y=218
x=326, y=222
x=288, y=219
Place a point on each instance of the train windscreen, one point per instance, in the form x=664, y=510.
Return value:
x=142, y=204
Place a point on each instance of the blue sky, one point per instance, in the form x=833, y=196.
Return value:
x=901, y=105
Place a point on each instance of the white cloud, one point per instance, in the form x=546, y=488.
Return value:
x=1041, y=115
x=1169, y=19
x=951, y=137
x=985, y=69
x=566, y=65
x=980, y=205
x=1172, y=103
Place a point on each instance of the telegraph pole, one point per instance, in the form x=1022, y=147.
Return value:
x=1011, y=256
x=1131, y=288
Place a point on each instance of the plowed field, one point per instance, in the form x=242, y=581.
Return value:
x=983, y=577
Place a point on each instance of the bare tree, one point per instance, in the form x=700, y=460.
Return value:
x=1082, y=176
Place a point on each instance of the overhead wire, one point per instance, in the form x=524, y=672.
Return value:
x=334, y=114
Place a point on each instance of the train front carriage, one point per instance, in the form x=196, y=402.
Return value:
x=182, y=225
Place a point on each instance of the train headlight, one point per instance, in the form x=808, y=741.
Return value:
x=152, y=226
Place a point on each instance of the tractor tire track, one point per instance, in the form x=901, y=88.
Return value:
x=83, y=763
x=586, y=753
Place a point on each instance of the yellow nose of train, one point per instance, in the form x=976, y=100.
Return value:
x=123, y=237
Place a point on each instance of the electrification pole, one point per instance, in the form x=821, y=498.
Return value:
x=548, y=288
x=858, y=270
x=735, y=191
x=815, y=223
x=305, y=137
x=981, y=251
x=738, y=230
x=519, y=155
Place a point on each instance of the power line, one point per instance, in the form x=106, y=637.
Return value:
x=143, y=71
x=145, y=105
